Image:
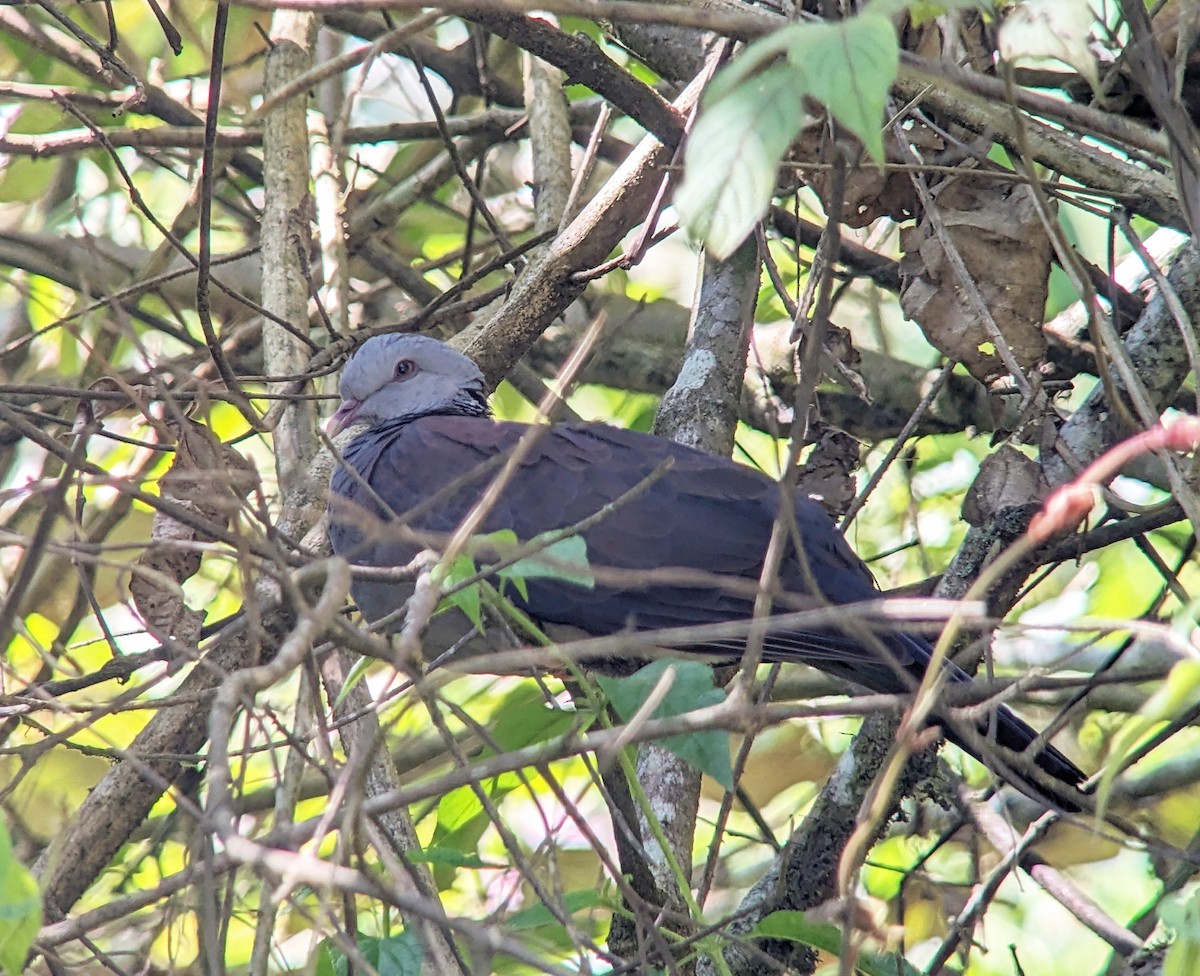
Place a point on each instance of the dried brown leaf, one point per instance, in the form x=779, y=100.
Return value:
x=828, y=474
x=1006, y=478
x=847, y=360
x=996, y=230
x=869, y=192
x=91, y=410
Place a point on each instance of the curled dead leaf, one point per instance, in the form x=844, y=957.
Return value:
x=92, y=409
x=1006, y=478
x=869, y=192
x=847, y=360
x=997, y=233
x=828, y=473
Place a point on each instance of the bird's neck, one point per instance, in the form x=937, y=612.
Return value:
x=470, y=402
x=467, y=403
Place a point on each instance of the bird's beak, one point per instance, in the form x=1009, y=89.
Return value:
x=344, y=416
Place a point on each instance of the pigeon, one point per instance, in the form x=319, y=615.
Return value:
x=673, y=537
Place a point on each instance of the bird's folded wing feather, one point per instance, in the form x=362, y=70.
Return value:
x=700, y=526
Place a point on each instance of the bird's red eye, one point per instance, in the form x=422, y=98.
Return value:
x=405, y=368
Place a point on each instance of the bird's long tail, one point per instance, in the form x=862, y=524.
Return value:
x=1013, y=734
x=843, y=655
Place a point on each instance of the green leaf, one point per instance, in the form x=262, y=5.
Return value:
x=564, y=560
x=691, y=688
x=518, y=583
x=524, y=718
x=20, y=908
x=1178, y=693
x=502, y=540
x=757, y=55
x=450, y=858
x=539, y=915
x=467, y=599
x=732, y=156
x=461, y=815
x=798, y=927
x=393, y=955
x=892, y=861
x=752, y=113
x=456, y=810
x=923, y=13
x=353, y=677
x=461, y=822
x=849, y=67
x=1183, y=918
x=328, y=959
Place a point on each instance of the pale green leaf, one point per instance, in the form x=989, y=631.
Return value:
x=20, y=908
x=691, y=688
x=467, y=599
x=732, y=157
x=756, y=56
x=753, y=113
x=539, y=915
x=448, y=857
x=920, y=11
x=1058, y=30
x=1183, y=918
x=502, y=540
x=798, y=927
x=356, y=673
x=1180, y=692
x=525, y=718
x=393, y=955
x=849, y=68
x=564, y=560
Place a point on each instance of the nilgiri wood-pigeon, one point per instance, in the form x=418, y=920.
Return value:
x=685, y=550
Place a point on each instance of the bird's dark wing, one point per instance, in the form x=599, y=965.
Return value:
x=701, y=516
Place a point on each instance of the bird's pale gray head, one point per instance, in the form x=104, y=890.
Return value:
x=396, y=377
